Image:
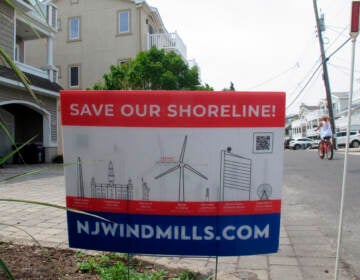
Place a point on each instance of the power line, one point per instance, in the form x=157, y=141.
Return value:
x=275, y=77
x=305, y=77
x=339, y=34
x=343, y=44
x=303, y=88
x=343, y=69
x=313, y=74
x=323, y=58
x=336, y=28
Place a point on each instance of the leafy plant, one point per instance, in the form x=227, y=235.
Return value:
x=110, y=266
x=5, y=269
x=153, y=70
x=188, y=275
x=117, y=266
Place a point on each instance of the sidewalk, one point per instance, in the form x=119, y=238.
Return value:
x=305, y=252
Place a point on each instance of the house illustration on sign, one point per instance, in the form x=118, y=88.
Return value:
x=235, y=175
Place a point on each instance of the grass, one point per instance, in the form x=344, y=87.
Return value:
x=120, y=267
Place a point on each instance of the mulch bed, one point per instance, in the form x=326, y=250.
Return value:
x=33, y=262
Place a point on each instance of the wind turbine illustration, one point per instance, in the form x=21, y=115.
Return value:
x=181, y=166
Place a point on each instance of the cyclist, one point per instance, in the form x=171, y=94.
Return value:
x=325, y=131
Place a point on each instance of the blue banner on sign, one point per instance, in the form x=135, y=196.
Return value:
x=223, y=235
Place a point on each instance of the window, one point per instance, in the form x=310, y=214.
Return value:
x=122, y=61
x=74, y=76
x=123, y=22
x=74, y=1
x=51, y=13
x=151, y=29
x=74, y=28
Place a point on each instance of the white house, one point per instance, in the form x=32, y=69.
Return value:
x=309, y=116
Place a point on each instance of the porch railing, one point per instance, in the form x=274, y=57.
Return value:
x=32, y=70
x=167, y=41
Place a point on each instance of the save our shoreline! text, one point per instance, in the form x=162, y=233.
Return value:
x=173, y=110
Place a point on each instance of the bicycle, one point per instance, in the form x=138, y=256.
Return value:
x=326, y=148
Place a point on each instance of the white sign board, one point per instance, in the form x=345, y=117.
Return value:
x=174, y=172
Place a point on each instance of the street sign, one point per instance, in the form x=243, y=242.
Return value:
x=355, y=8
x=174, y=172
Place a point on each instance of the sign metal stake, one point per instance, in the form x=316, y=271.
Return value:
x=216, y=266
x=353, y=33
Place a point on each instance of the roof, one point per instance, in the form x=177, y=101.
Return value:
x=309, y=107
x=155, y=13
x=341, y=95
x=36, y=81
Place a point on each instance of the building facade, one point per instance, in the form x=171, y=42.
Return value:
x=25, y=117
x=93, y=35
x=309, y=116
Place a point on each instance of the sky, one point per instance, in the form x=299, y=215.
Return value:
x=265, y=45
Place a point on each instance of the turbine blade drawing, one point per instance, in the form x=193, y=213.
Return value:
x=167, y=171
x=188, y=167
x=182, y=154
x=181, y=167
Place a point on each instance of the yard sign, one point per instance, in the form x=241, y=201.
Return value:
x=174, y=172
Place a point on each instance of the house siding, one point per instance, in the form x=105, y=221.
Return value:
x=7, y=28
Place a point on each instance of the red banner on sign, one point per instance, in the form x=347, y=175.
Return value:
x=355, y=18
x=173, y=207
x=173, y=109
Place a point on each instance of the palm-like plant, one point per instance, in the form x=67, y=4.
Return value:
x=7, y=60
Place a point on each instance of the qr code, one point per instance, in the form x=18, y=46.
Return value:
x=263, y=142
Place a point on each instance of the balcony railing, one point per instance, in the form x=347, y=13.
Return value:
x=35, y=12
x=32, y=70
x=167, y=41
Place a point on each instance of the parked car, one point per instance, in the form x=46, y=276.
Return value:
x=303, y=143
x=287, y=142
x=354, y=138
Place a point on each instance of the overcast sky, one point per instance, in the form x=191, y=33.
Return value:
x=264, y=45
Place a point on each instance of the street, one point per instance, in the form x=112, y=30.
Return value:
x=316, y=185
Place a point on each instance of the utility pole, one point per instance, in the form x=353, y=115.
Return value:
x=320, y=28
